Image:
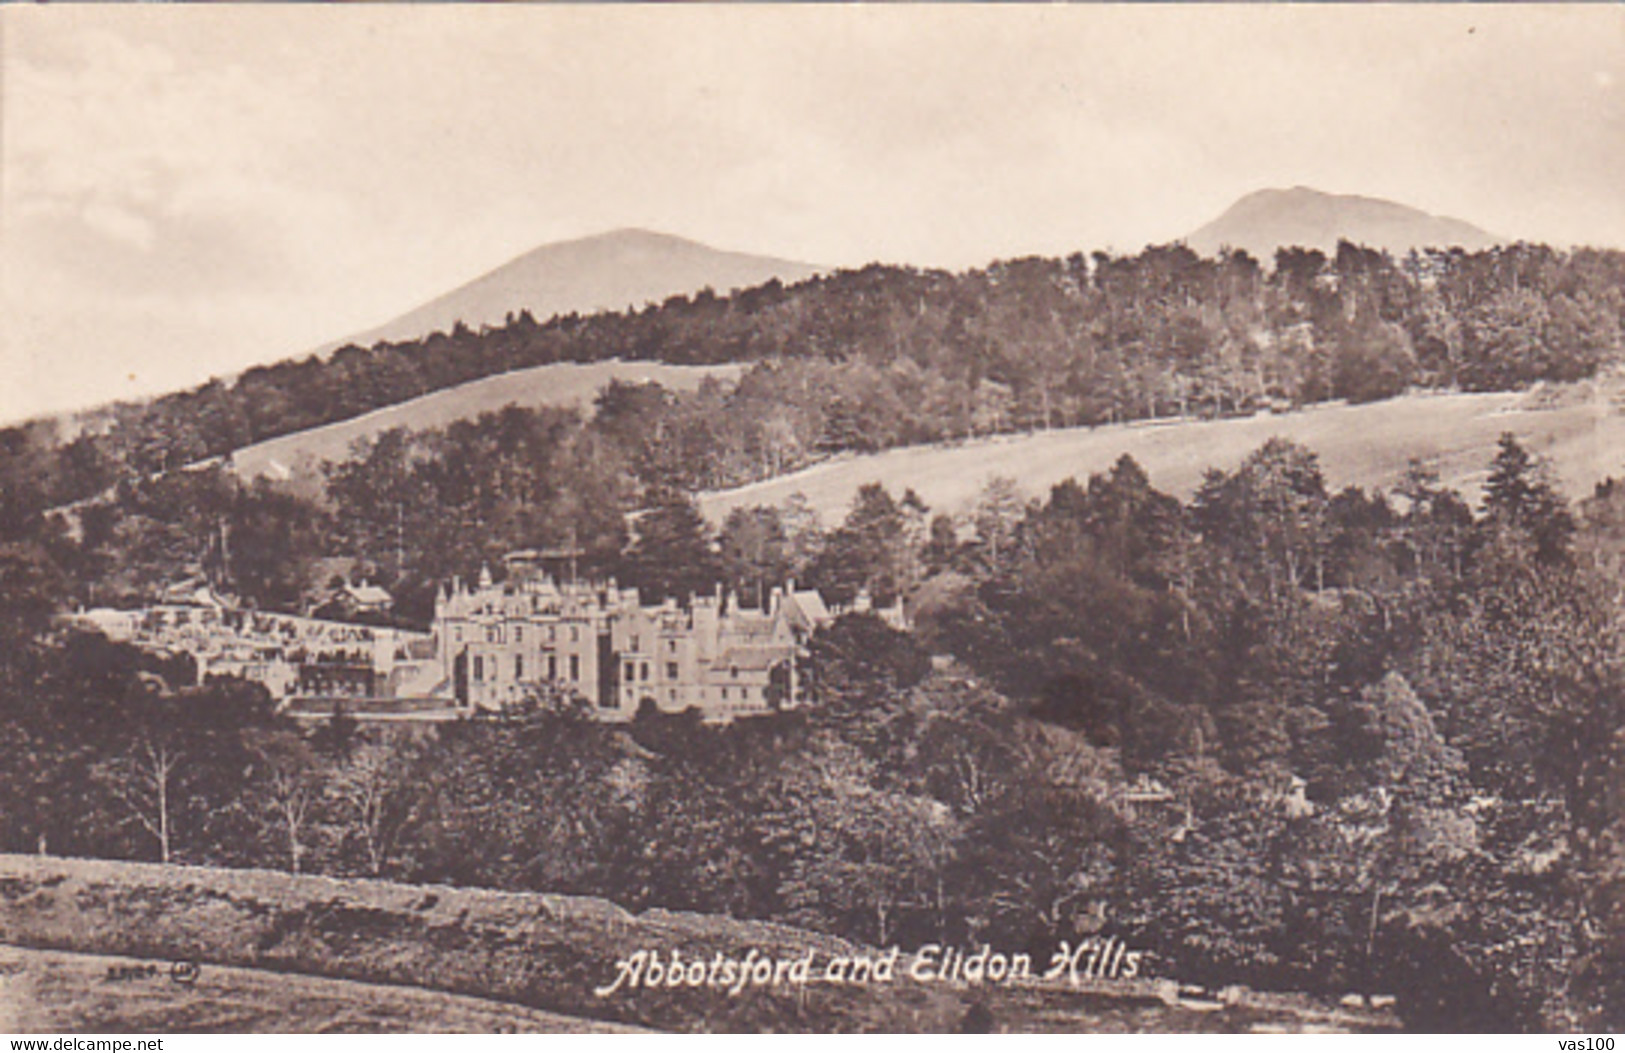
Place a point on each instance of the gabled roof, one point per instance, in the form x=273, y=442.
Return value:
x=807, y=606
x=194, y=592
x=753, y=658
x=369, y=595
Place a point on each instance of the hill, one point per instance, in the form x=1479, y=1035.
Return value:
x=1580, y=430
x=560, y=384
x=1266, y=220
x=606, y=272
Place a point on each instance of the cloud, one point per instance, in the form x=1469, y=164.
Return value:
x=153, y=235
x=119, y=157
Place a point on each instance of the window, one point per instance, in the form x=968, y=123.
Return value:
x=575, y=667
x=671, y=645
x=519, y=667
x=631, y=671
x=733, y=671
x=644, y=672
x=725, y=694
x=635, y=646
x=552, y=633
x=479, y=667
x=671, y=670
x=459, y=631
x=575, y=634
x=552, y=667
x=519, y=634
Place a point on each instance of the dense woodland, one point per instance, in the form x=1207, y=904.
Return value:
x=1275, y=735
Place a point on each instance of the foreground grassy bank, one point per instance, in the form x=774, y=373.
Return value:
x=551, y=953
x=52, y=992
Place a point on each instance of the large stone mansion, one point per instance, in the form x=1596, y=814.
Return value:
x=530, y=633
x=529, y=638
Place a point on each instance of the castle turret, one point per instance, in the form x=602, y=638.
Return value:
x=705, y=616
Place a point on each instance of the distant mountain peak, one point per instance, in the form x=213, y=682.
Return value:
x=623, y=236
x=640, y=234
x=612, y=271
x=1266, y=220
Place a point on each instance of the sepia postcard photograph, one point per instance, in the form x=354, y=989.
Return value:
x=811, y=518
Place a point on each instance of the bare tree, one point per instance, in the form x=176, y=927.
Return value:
x=143, y=780
x=376, y=796
x=289, y=788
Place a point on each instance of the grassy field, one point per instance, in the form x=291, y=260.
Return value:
x=262, y=939
x=1579, y=429
x=562, y=384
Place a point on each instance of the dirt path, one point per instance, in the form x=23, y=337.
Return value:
x=60, y=992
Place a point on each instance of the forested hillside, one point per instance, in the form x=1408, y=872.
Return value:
x=888, y=355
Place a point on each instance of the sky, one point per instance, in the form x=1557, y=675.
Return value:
x=187, y=190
